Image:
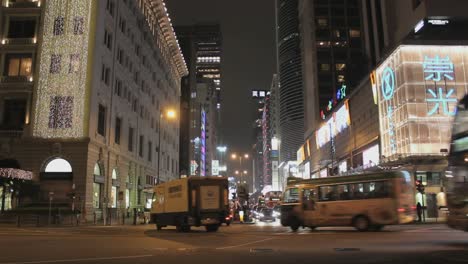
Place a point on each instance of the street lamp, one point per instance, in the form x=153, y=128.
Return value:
x=169, y=115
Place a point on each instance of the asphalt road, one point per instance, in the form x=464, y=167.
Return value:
x=261, y=243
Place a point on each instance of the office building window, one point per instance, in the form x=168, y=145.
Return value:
x=55, y=63
x=141, y=146
x=130, y=139
x=78, y=25
x=108, y=39
x=323, y=22
x=14, y=112
x=74, y=66
x=118, y=128
x=59, y=25
x=22, y=27
x=324, y=67
x=150, y=151
x=61, y=112
x=101, y=129
x=354, y=33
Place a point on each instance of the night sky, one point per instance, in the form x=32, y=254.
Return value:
x=248, y=62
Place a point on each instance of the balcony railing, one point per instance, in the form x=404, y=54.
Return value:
x=18, y=41
x=21, y=3
x=15, y=133
x=16, y=79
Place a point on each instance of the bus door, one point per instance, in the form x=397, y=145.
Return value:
x=310, y=212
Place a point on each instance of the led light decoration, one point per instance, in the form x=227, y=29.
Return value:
x=60, y=99
x=203, y=144
x=418, y=88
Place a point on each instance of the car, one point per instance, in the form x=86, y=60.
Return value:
x=266, y=214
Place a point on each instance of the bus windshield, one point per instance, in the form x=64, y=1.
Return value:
x=291, y=195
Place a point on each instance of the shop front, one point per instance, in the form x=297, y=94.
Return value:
x=418, y=87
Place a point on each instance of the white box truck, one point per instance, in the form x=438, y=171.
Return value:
x=192, y=201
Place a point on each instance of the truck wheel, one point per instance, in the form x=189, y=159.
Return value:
x=212, y=228
x=294, y=224
x=186, y=228
x=228, y=223
x=158, y=227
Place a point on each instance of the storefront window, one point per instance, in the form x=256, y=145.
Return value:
x=114, y=197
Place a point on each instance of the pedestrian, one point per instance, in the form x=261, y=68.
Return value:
x=419, y=211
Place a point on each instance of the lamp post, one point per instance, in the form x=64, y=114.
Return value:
x=234, y=156
x=170, y=114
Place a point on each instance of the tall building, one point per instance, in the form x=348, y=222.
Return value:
x=291, y=99
x=333, y=55
x=259, y=97
x=201, y=98
x=85, y=89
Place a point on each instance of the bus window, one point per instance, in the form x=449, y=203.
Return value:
x=308, y=199
x=291, y=195
x=343, y=192
x=327, y=193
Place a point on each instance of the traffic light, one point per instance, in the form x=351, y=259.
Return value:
x=419, y=186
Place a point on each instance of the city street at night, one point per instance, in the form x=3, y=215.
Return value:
x=258, y=243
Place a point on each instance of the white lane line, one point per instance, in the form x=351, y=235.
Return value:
x=241, y=245
x=77, y=259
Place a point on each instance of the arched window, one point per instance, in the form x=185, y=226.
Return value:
x=58, y=165
x=97, y=170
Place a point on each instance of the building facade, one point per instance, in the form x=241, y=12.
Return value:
x=96, y=78
x=291, y=99
x=202, y=47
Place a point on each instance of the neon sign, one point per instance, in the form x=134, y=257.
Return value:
x=435, y=68
x=388, y=89
x=340, y=95
x=203, y=144
x=335, y=125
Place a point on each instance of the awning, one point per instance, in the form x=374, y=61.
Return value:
x=19, y=174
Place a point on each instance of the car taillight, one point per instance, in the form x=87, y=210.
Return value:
x=413, y=208
x=227, y=218
x=401, y=210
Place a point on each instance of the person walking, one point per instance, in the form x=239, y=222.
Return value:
x=419, y=211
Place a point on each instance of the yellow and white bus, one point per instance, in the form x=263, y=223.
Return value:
x=366, y=201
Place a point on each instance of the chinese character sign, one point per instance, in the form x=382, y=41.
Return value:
x=441, y=101
x=436, y=68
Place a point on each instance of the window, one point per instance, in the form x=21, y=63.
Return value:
x=61, y=112
x=20, y=27
x=141, y=146
x=323, y=22
x=341, y=78
x=74, y=66
x=78, y=24
x=14, y=112
x=122, y=24
x=150, y=151
x=291, y=195
x=110, y=7
x=328, y=193
x=120, y=56
x=118, y=128
x=108, y=39
x=101, y=129
x=354, y=33
x=130, y=139
x=55, y=63
x=59, y=26
x=105, y=74
x=324, y=67
x=118, y=87
x=340, y=66
x=18, y=65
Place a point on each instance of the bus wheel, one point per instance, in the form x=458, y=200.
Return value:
x=312, y=228
x=361, y=223
x=185, y=228
x=295, y=224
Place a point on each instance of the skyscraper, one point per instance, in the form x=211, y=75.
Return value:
x=291, y=99
x=201, y=97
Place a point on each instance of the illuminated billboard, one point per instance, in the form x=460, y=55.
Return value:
x=333, y=126
x=418, y=87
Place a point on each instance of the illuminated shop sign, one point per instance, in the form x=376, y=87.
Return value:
x=438, y=22
x=203, y=144
x=340, y=95
x=333, y=126
x=215, y=167
x=259, y=93
x=418, y=88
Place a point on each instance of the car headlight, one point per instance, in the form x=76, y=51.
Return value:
x=260, y=214
x=276, y=213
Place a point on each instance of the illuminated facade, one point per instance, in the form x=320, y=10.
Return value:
x=103, y=75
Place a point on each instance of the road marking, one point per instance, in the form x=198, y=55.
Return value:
x=245, y=244
x=77, y=260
